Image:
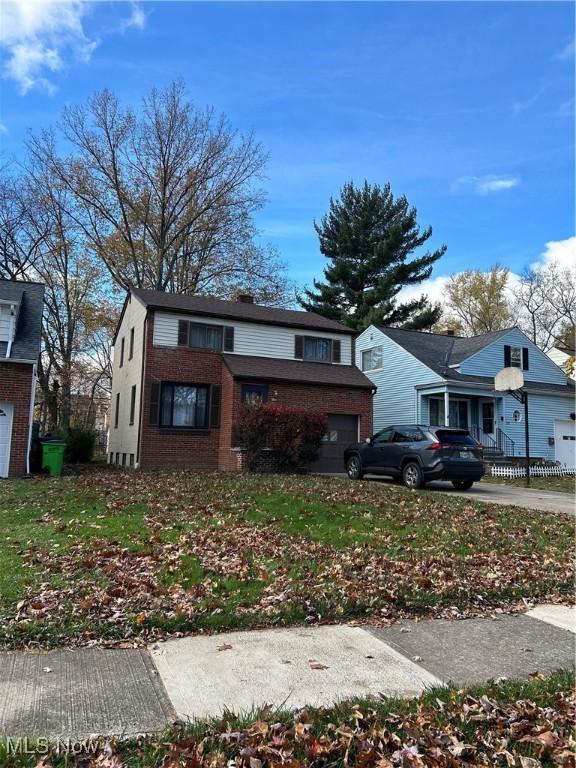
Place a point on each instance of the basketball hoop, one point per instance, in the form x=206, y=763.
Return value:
x=509, y=380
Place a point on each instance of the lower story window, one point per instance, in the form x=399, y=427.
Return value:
x=131, y=459
x=184, y=406
x=254, y=393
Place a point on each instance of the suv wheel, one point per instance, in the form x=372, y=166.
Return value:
x=412, y=475
x=354, y=468
x=462, y=485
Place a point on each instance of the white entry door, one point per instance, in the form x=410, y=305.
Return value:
x=5, y=437
x=565, y=441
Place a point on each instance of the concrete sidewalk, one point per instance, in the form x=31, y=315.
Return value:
x=79, y=692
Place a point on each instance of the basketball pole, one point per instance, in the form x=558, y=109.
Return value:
x=526, y=436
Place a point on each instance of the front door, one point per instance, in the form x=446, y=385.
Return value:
x=487, y=415
x=5, y=437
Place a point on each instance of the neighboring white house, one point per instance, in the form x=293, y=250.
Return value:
x=561, y=356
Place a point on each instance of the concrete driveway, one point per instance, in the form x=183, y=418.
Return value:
x=531, y=498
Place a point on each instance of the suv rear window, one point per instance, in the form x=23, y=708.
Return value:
x=454, y=438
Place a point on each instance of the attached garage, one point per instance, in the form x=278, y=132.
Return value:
x=342, y=430
x=565, y=441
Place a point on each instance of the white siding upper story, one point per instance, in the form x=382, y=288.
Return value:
x=249, y=338
x=123, y=439
x=8, y=315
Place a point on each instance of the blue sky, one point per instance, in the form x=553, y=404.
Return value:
x=465, y=107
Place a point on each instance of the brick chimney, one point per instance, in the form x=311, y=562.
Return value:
x=245, y=298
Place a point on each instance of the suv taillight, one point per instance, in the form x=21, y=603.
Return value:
x=435, y=446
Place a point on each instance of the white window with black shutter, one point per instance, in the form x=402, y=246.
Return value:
x=216, y=338
x=317, y=349
x=516, y=357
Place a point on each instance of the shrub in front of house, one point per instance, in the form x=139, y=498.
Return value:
x=80, y=443
x=294, y=435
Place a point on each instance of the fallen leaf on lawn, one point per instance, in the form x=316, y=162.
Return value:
x=224, y=647
x=317, y=665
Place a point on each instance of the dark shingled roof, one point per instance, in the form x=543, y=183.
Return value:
x=438, y=351
x=30, y=296
x=296, y=371
x=255, y=313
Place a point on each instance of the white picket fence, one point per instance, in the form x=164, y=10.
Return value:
x=535, y=471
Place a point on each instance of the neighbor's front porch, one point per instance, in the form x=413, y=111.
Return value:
x=478, y=410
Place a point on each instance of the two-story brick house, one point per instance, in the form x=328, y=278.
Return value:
x=183, y=365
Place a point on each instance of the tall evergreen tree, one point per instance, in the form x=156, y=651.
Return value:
x=369, y=237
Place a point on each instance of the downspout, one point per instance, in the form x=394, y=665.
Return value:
x=10, y=332
x=31, y=417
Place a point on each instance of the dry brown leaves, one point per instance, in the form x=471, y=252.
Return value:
x=108, y=583
x=466, y=731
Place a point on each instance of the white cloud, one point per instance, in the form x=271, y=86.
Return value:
x=38, y=38
x=137, y=18
x=486, y=185
x=561, y=252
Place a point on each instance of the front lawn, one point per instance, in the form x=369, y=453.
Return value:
x=526, y=723
x=564, y=484
x=118, y=556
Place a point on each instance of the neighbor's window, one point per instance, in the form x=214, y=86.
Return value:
x=516, y=357
x=206, y=336
x=372, y=359
x=184, y=406
x=121, y=353
x=117, y=410
x=131, y=345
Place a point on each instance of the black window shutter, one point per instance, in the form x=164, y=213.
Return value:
x=154, y=404
x=182, y=333
x=299, y=347
x=525, y=358
x=215, y=405
x=336, y=351
x=506, y=356
x=229, y=338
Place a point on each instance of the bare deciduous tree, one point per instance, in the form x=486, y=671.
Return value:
x=544, y=302
x=165, y=195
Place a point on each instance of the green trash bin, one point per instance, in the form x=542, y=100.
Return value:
x=53, y=457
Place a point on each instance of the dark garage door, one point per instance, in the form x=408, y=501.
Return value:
x=342, y=430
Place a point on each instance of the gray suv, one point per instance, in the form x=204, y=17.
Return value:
x=417, y=454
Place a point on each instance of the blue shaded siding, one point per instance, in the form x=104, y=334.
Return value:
x=542, y=412
x=490, y=360
x=395, y=398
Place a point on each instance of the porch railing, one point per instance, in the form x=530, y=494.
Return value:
x=498, y=443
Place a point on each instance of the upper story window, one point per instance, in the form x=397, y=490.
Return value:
x=516, y=357
x=121, y=353
x=372, y=359
x=317, y=348
x=131, y=345
x=217, y=338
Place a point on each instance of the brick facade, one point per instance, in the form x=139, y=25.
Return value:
x=213, y=448
x=16, y=390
